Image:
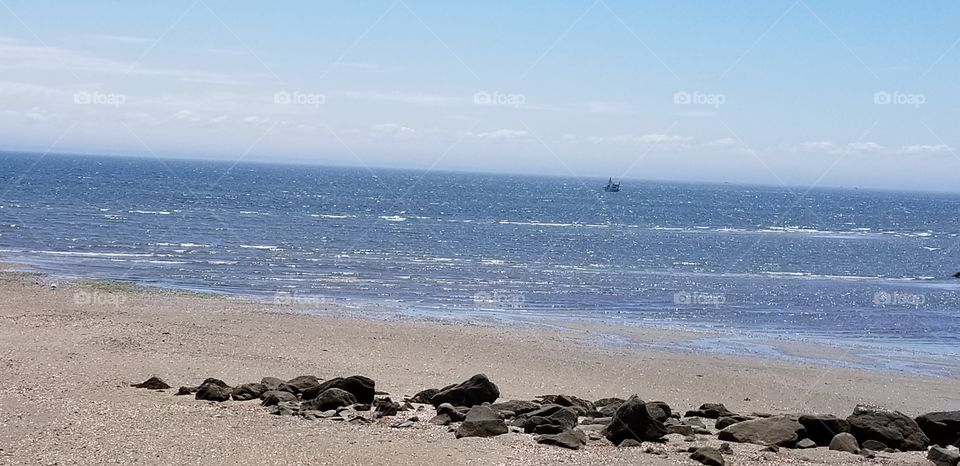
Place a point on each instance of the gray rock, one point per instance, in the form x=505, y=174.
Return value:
x=456, y=415
x=331, y=398
x=517, y=407
x=572, y=439
x=248, y=391
x=362, y=388
x=727, y=421
x=633, y=420
x=710, y=411
x=893, y=428
x=441, y=420
x=708, y=456
x=780, y=430
x=153, y=383
x=942, y=457
x=681, y=429
x=581, y=406
x=213, y=390
x=875, y=445
x=482, y=421
x=845, y=441
x=943, y=428
x=630, y=443
x=385, y=407
x=424, y=396
x=271, y=383
x=806, y=443
x=285, y=408
x=822, y=428
x=275, y=397
x=550, y=419
x=693, y=421
x=299, y=384
x=475, y=391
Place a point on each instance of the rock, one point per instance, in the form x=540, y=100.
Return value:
x=693, y=421
x=943, y=428
x=659, y=410
x=845, y=441
x=475, y=391
x=596, y=420
x=822, y=428
x=453, y=413
x=874, y=445
x=942, y=457
x=213, y=390
x=709, y=456
x=275, y=397
x=517, y=407
x=482, y=421
x=424, y=396
x=633, y=420
x=806, y=443
x=771, y=449
x=331, y=398
x=710, y=411
x=286, y=408
x=441, y=420
x=550, y=419
x=362, y=407
x=271, y=383
x=779, y=430
x=581, y=406
x=248, y=391
x=607, y=406
x=362, y=388
x=726, y=449
x=681, y=429
x=298, y=385
x=893, y=428
x=727, y=421
x=385, y=407
x=630, y=443
x=572, y=439
x=956, y=275
x=186, y=391
x=153, y=383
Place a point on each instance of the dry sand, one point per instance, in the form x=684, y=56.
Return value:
x=68, y=356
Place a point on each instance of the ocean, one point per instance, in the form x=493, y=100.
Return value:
x=828, y=265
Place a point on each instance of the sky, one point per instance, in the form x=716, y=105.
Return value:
x=859, y=93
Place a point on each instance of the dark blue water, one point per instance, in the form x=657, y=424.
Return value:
x=843, y=265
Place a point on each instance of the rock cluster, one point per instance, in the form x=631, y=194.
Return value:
x=471, y=409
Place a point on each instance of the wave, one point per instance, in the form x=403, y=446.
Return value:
x=252, y=212
x=93, y=254
x=551, y=224
x=333, y=216
x=259, y=247
x=393, y=218
x=150, y=212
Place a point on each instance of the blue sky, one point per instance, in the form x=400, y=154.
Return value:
x=853, y=93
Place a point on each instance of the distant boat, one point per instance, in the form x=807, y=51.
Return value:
x=612, y=187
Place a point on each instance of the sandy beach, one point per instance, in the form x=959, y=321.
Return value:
x=69, y=354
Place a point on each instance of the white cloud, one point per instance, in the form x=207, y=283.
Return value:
x=497, y=135
x=391, y=130
x=925, y=149
x=646, y=139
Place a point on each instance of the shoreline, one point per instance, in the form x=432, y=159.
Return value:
x=68, y=364
x=851, y=354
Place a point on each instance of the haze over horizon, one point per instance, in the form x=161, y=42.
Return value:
x=798, y=93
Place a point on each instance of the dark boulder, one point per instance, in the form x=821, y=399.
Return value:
x=581, y=406
x=455, y=415
x=424, y=396
x=572, y=439
x=845, y=441
x=331, y=398
x=633, y=421
x=711, y=411
x=659, y=410
x=275, y=397
x=822, y=428
x=781, y=431
x=482, y=421
x=708, y=456
x=475, y=391
x=362, y=388
x=385, y=407
x=186, y=391
x=271, y=383
x=300, y=384
x=942, y=457
x=549, y=419
x=727, y=421
x=214, y=390
x=943, y=428
x=153, y=383
x=893, y=428
x=875, y=446
x=248, y=391
x=517, y=407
